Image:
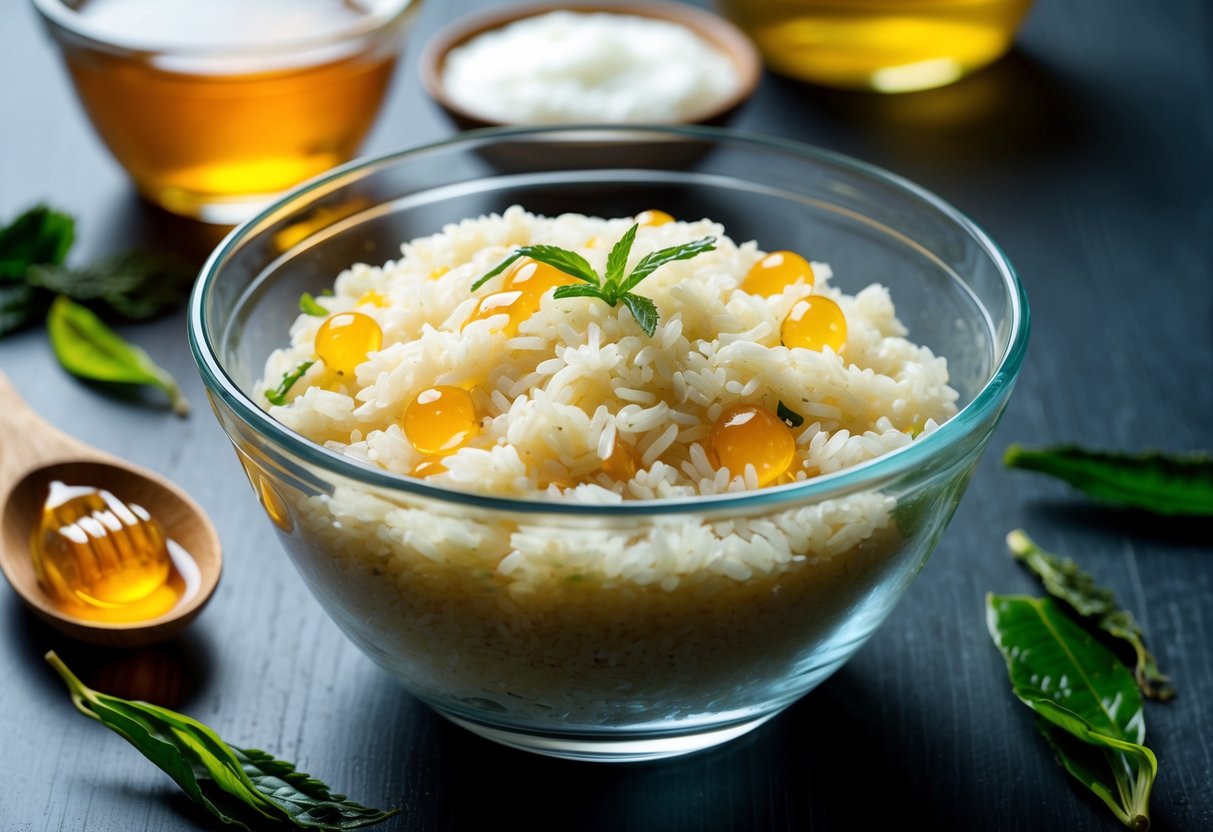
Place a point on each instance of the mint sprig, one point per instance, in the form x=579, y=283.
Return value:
x=615, y=287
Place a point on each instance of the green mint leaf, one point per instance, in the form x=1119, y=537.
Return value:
x=244, y=787
x=20, y=306
x=643, y=310
x=1083, y=694
x=569, y=262
x=578, y=290
x=40, y=235
x=617, y=260
x=498, y=269
x=278, y=394
x=309, y=306
x=1067, y=582
x=89, y=349
x=1155, y=482
x=652, y=262
x=135, y=285
x=791, y=417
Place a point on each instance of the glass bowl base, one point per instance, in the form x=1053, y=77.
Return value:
x=606, y=749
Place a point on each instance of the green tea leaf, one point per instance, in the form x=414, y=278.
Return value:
x=1076, y=686
x=278, y=394
x=135, y=285
x=308, y=305
x=308, y=801
x=643, y=310
x=1065, y=580
x=1156, y=482
x=788, y=415
x=88, y=348
x=40, y=235
x=652, y=262
x=244, y=787
x=617, y=260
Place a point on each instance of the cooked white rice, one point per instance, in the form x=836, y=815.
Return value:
x=547, y=616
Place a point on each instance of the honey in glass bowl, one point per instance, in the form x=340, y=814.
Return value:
x=880, y=45
x=215, y=106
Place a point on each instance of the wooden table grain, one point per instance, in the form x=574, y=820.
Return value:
x=1086, y=154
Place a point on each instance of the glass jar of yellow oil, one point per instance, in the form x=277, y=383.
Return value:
x=880, y=45
x=215, y=106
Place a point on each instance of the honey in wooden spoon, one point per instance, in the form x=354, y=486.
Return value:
x=105, y=560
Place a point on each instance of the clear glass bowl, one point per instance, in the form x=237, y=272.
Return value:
x=588, y=666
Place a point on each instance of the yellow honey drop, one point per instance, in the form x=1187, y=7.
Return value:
x=775, y=272
x=749, y=435
x=623, y=463
x=428, y=467
x=373, y=298
x=814, y=323
x=93, y=550
x=535, y=278
x=440, y=419
x=345, y=339
x=652, y=218
x=515, y=304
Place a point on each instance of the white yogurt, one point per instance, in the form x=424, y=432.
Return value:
x=566, y=67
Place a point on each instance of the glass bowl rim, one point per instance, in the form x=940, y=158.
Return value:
x=992, y=394
x=59, y=14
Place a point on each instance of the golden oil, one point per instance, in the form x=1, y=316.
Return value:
x=881, y=45
x=245, y=98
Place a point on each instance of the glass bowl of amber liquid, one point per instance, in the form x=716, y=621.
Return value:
x=214, y=107
x=888, y=46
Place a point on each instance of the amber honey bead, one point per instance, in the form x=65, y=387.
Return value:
x=428, y=467
x=346, y=339
x=515, y=304
x=751, y=435
x=777, y=271
x=652, y=218
x=814, y=323
x=440, y=419
x=623, y=463
x=535, y=278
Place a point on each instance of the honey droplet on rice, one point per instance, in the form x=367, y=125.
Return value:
x=814, y=323
x=652, y=218
x=623, y=463
x=775, y=272
x=440, y=419
x=345, y=339
x=750, y=435
x=428, y=467
x=535, y=278
x=515, y=304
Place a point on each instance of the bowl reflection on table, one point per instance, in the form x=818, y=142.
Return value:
x=588, y=667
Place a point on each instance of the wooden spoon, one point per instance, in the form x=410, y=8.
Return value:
x=32, y=455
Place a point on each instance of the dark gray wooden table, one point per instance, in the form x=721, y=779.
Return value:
x=1087, y=154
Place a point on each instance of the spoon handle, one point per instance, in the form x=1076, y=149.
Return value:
x=28, y=441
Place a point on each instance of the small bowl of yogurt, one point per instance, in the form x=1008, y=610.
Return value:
x=650, y=63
